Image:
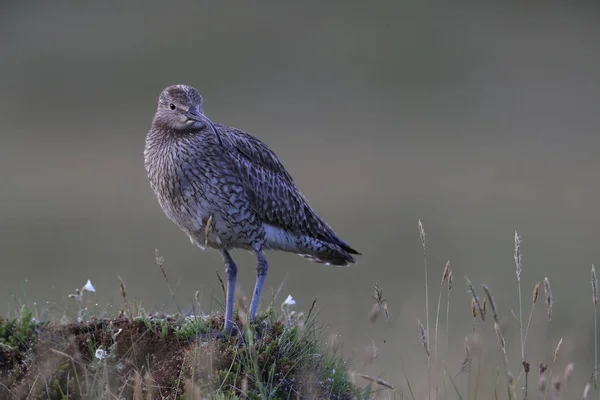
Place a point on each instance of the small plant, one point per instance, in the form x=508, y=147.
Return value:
x=20, y=332
x=192, y=327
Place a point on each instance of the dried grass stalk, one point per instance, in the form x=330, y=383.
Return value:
x=378, y=381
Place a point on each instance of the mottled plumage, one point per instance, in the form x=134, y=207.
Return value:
x=203, y=172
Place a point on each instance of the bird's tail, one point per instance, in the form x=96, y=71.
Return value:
x=333, y=254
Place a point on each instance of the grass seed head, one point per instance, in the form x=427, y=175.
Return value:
x=518, y=256
x=492, y=302
x=422, y=235
x=476, y=299
x=122, y=288
x=548, y=293
x=424, y=340
x=536, y=292
x=446, y=271
x=484, y=306
x=594, y=286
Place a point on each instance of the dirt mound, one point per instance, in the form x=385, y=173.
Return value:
x=163, y=357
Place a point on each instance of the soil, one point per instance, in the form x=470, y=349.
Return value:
x=64, y=359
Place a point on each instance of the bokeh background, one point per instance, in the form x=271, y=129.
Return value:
x=478, y=118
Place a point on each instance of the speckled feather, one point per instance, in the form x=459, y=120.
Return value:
x=240, y=185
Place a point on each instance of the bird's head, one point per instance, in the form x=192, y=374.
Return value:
x=180, y=109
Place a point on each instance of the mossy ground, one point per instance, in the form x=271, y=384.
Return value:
x=169, y=357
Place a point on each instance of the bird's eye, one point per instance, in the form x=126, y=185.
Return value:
x=172, y=106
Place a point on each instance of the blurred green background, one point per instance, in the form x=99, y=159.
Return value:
x=478, y=118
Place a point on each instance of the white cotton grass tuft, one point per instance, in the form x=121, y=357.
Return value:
x=289, y=301
x=78, y=295
x=89, y=287
x=100, y=354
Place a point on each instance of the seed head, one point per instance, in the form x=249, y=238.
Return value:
x=476, y=299
x=446, y=271
x=122, y=288
x=526, y=367
x=518, y=255
x=423, y=332
x=594, y=286
x=422, y=235
x=492, y=302
x=548, y=293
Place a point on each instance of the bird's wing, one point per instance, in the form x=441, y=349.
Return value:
x=271, y=190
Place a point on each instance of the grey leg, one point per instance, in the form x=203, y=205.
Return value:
x=261, y=273
x=231, y=271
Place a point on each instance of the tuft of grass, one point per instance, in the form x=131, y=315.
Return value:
x=17, y=337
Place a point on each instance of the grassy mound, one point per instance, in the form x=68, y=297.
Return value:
x=169, y=357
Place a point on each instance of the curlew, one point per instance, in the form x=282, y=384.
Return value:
x=226, y=189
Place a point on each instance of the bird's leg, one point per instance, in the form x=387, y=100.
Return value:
x=231, y=271
x=261, y=274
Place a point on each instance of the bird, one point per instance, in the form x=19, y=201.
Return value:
x=228, y=190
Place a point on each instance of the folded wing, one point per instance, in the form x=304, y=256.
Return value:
x=272, y=191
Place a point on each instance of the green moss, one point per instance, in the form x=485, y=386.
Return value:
x=191, y=327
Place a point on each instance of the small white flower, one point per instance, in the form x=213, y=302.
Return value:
x=89, y=287
x=289, y=301
x=100, y=354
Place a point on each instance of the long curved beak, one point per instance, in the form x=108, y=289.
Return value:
x=199, y=117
